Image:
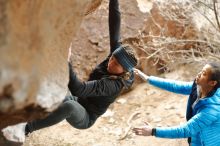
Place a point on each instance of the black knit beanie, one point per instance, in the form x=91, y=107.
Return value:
x=126, y=60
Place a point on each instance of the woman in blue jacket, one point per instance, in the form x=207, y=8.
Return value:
x=203, y=108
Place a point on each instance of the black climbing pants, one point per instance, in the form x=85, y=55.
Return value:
x=71, y=110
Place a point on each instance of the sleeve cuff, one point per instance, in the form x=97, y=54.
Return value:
x=153, y=132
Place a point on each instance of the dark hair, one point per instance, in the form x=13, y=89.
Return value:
x=215, y=72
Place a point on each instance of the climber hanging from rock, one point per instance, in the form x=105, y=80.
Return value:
x=90, y=99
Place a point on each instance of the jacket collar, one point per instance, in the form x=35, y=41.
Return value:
x=213, y=98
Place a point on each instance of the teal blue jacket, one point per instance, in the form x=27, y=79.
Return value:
x=204, y=126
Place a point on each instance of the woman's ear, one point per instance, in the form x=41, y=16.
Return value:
x=213, y=83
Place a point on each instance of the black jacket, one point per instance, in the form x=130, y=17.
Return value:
x=96, y=94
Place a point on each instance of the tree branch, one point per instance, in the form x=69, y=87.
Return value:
x=216, y=14
x=206, y=18
x=205, y=5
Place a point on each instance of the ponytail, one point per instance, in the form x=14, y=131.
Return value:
x=215, y=73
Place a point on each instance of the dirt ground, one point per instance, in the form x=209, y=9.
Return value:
x=143, y=103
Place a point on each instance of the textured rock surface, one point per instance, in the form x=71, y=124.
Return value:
x=34, y=40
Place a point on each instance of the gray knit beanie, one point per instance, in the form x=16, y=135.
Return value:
x=126, y=57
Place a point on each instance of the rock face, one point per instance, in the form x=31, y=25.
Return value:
x=34, y=41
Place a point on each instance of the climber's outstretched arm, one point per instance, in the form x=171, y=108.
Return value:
x=114, y=24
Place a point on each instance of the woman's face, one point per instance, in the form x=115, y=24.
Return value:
x=114, y=67
x=203, y=78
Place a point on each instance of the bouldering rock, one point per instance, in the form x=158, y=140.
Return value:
x=34, y=41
